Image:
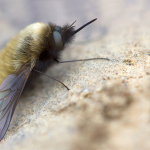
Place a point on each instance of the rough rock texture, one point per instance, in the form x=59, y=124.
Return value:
x=108, y=106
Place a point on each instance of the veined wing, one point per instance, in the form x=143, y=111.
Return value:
x=10, y=91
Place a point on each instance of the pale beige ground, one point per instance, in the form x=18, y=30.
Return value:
x=108, y=106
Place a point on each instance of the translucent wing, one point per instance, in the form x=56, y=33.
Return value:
x=10, y=91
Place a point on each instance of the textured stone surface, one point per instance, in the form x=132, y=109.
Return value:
x=109, y=102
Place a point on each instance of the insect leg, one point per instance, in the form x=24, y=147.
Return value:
x=51, y=78
x=81, y=60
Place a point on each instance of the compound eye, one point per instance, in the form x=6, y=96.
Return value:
x=58, y=40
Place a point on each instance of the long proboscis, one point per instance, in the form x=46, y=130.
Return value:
x=84, y=26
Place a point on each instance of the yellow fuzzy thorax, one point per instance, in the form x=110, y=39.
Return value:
x=23, y=49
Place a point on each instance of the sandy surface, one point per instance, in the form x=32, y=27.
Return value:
x=108, y=106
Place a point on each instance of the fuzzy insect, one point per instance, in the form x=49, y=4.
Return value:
x=35, y=48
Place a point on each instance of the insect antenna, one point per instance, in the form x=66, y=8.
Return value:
x=51, y=78
x=70, y=26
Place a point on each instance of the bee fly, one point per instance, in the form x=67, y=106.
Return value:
x=33, y=49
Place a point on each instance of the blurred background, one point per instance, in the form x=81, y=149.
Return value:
x=113, y=16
